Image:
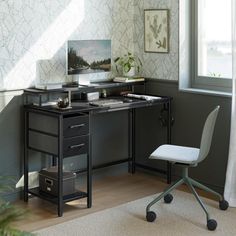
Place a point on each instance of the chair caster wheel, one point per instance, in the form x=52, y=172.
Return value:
x=223, y=205
x=151, y=216
x=211, y=224
x=168, y=198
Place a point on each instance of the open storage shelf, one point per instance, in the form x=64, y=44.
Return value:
x=67, y=198
x=60, y=135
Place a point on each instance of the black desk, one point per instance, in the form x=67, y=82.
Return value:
x=65, y=133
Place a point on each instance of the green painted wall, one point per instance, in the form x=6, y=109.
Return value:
x=189, y=111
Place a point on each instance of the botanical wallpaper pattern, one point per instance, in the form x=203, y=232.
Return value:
x=33, y=36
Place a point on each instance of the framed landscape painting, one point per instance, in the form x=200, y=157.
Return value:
x=88, y=56
x=156, y=30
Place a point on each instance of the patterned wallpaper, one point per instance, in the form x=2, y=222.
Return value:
x=33, y=36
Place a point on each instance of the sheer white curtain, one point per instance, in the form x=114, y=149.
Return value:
x=230, y=184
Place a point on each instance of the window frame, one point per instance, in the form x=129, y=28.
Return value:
x=202, y=82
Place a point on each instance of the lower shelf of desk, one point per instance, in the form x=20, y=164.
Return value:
x=67, y=198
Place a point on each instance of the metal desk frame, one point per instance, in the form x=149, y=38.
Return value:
x=166, y=102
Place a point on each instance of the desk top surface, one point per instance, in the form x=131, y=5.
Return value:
x=84, y=106
x=81, y=106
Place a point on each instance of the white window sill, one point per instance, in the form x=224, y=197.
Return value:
x=206, y=92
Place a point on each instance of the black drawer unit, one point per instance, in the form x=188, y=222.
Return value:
x=76, y=126
x=75, y=145
x=59, y=135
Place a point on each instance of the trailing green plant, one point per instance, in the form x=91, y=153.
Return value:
x=8, y=212
x=128, y=61
x=213, y=74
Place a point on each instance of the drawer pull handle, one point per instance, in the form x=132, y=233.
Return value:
x=48, y=181
x=77, y=146
x=76, y=126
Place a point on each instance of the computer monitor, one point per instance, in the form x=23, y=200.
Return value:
x=88, y=56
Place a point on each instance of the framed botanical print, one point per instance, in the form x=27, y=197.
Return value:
x=156, y=30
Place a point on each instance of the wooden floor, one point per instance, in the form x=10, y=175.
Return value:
x=107, y=192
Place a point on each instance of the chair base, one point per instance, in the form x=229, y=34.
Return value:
x=211, y=224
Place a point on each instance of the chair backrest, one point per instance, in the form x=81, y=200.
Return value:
x=207, y=134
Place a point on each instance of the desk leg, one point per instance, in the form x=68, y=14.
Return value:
x=89, y=175
x=26, y=164
x=130, y=140
x=169, y=165
x=133, y=142
x=131, y=167
x=169, y=170
x=60, y=168
x=54, y=160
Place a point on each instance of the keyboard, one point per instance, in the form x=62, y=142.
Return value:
x=105, y=102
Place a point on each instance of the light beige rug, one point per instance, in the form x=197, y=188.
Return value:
x=183, y=217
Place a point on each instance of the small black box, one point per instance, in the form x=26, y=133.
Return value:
x=48, y=181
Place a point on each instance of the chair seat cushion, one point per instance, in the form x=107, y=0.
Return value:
x=173, y=153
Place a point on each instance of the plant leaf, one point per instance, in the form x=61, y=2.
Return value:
x=13, y=232
x=140, y=61
x=8, y=212
x=117, y=59
x=127, y=67
x=117, y=69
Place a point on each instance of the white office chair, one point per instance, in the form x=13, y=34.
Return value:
x=188, y=157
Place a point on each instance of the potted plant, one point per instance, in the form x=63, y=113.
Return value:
x=128, y=63
x=9, y=213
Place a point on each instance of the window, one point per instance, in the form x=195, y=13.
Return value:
x=211, y=48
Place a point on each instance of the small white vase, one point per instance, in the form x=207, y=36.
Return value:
x=131, y=72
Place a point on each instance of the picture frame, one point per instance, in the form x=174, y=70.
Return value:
x=156, y=30
x=88, y=56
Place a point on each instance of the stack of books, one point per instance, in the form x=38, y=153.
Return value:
x=142, y=96
x=49, y=86
x=126, y=79
x=44, y=104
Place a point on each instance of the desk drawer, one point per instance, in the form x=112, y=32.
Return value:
x=43, y=123
x=75, y=146
x=43, y=142
x=76, y=126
